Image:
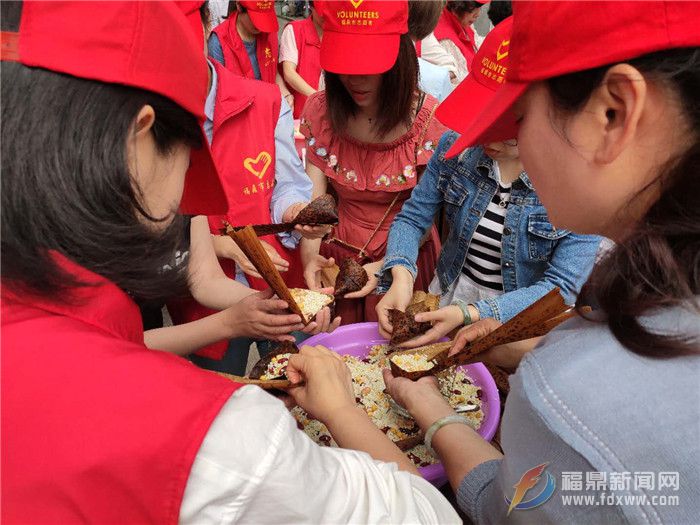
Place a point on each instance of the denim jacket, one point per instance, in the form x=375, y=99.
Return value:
x=535, y=256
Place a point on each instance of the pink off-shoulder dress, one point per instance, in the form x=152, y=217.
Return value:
x=366, y=177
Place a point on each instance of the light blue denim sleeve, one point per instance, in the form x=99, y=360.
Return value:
x=293, y=185
x=568, y=269
x=528, y=442
x=411, y=223
x=215, y=50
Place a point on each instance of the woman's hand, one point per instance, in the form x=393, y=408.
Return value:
x=323, y=323
x=262, y=317
x=306, y=231
x=225, y=247
x=290, y=100
x=398, y=297
x=444, y=321
x=318, y=231
x=506, y=356
x=421, y=398
x=372, y=281
x=327, y=383
x=312, y=270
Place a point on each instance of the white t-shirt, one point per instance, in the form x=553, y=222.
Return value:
x=256, y=466
x=289, y=52
x=433, y=52
x=217, y=11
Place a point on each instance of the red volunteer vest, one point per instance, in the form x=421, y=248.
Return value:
x=309, y=66
x=243, y=146
x=236, y=57
x=449, y=28
x=419, y=48
x=96, y=427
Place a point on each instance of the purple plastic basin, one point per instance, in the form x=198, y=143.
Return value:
x=357, y=339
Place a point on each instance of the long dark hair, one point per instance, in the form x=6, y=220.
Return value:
x=66, y=184
x=396, y=95
x=658, y=265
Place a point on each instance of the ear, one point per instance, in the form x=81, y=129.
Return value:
x=618, y=104
x=140, y=140
x=144, y=121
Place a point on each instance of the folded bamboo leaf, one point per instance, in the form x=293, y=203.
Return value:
x=352, y=277
x=321, y=210
x=534, y=321
x=250, y=245
x=404, y=325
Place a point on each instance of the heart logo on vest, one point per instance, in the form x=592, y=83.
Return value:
x=258, y=166
x=356, y=3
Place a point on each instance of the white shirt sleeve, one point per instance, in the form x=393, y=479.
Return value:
x=433, y=52
x=451, y=48
x=288, y=46
x=255, y=466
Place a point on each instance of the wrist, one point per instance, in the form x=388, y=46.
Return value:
x=401, y=275
x=427, y=405
x=229, y=326
x=342, y=415
x=469, y=312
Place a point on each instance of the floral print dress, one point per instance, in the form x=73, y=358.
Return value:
x=366, y=178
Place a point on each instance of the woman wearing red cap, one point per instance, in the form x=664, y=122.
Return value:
x=246, y=43
x=300, y=57
x=456, y=34
x=601, y=423
x=501, y=253
x=96, y=427
x=369, y=136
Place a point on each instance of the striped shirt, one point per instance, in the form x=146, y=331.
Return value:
x=483, y=264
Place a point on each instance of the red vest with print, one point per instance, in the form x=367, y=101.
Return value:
x=236, y=56
x=449, y=28
x=96, y=427
x=243, y=147
x=309, y=66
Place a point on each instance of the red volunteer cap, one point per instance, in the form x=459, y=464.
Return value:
x=262, y=14
x=487, y=77
x=147, y=45
x=190, y=8
x=550, y=39
x=361, y=37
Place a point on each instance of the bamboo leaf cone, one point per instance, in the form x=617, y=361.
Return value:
x=250, y=245
x=534, y=321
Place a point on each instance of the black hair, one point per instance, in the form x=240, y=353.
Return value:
x=67, y=188
x=499, y=10
x=205, y=16
x=423, y=16
x=658, y=265
x=462, y=7
x=396, y=94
